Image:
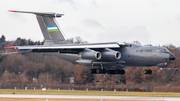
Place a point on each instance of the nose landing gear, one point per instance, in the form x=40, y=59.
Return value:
x=147, y=71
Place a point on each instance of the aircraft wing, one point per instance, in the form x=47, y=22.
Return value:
x=68, y=48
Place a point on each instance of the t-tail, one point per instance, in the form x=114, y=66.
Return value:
x=49, y=27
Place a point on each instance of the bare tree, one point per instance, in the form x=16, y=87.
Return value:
x=77, y=40
x=79, y=75
x=137, y=42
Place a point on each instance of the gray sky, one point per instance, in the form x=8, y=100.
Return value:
x=154, y=22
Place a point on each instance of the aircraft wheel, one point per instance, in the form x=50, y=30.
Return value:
x=101, y=71
x=117, y=71
x=122, y=71
x=92, y=71
x=110, y=71
x=147, y=71
x=97, y=71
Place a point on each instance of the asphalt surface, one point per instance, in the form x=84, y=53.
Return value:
x=147, y=98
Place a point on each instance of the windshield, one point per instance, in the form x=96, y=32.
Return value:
x=162, y=50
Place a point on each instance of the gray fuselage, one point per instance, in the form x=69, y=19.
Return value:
x=131, y=55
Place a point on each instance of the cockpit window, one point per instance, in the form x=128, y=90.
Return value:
x=162, y=50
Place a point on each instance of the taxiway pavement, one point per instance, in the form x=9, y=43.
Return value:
x=147, y=98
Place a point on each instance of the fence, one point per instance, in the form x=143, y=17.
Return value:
x=88, y=87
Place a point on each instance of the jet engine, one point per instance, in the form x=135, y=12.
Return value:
x=110, y=54
x=90, y=54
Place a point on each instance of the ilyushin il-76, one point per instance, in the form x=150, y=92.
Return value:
x=101, y=58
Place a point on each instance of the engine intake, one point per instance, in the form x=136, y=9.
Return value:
x=90, y=54
x=110, y=54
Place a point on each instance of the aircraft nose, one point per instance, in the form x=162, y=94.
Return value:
x=172, y=57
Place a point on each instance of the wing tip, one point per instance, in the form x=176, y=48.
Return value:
x=12, y=10
x=10, y=47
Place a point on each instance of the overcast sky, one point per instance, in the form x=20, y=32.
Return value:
x=154, y=22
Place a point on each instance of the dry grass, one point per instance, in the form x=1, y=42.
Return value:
x=39, y=99
x=10, y=91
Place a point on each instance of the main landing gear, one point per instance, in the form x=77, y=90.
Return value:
x=104, y=71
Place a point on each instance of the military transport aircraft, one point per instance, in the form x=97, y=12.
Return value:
x=101, y=58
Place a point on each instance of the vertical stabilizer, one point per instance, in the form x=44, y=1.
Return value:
x=49, y=27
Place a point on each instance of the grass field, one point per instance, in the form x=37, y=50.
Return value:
x=29, y=99
x=10, y=91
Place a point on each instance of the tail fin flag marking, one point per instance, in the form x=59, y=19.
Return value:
x=52, y=28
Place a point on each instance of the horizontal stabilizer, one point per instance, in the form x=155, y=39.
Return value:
x=19, y=52
x=48, y=14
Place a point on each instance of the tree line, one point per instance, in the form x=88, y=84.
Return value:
x=46, y=68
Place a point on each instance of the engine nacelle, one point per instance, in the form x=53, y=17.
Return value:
x=110, y=54
x=90, y=54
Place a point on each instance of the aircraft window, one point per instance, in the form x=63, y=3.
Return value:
x=162, y=50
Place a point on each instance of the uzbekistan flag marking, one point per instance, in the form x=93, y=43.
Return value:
x=52, y=28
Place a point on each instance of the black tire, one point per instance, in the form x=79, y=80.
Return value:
x=145, y=71
x=122, y=71
x=110, y=72
x=149, y=71
x=92, y=71
x=97, y=71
